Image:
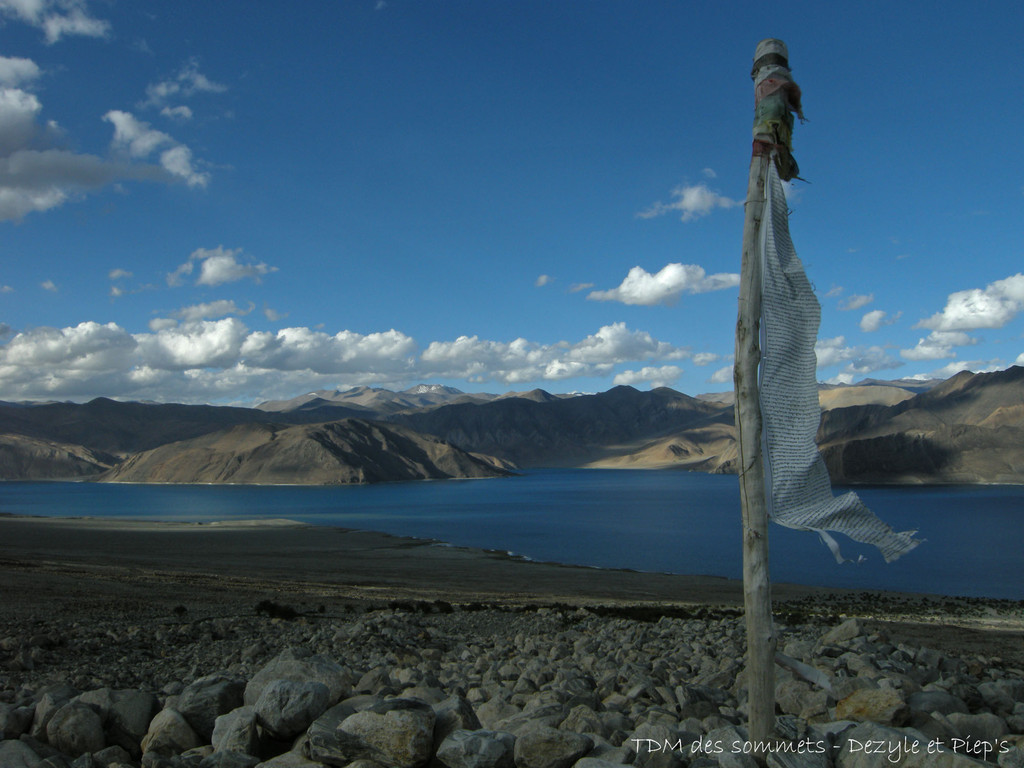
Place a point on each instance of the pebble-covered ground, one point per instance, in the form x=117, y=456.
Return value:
x=489, y=686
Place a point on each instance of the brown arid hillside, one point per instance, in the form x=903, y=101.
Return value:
x=335, y=453
x=24, y=457
x=969, y=429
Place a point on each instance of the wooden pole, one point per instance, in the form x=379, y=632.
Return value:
x=757, y=599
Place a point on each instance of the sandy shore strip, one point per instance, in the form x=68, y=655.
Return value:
x=83, y=566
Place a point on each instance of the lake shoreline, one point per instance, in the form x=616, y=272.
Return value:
x=81, y=568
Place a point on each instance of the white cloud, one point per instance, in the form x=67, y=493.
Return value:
x=665, y=286
x=937, y=345
x=543, y=280
x=56, y=18
x=706, y=358
x=200, y=359
x=1019, y=360
x=722, y=375
x=661, y=376
x=990, y=307
x=859, y=360
x=877, y=318
x=139, y=140
x=187, y=83
x=210, y=310
x=35, y=176
x=577, y=287
x=692, y=202
x=520, y=360
x=218, y=266
x=119, y=274
x=15, y=72
x=856, y=301
x=48, y=285
x=177, y=113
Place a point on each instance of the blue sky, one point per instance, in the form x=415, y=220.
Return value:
x=235, y=201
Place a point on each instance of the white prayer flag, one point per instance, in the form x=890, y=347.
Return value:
x=800, y=491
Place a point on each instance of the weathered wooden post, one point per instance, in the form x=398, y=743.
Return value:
x=775, y=96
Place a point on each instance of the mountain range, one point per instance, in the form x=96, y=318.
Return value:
x=967, y=429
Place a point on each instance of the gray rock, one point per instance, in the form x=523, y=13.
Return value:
x=328, y=743
x=112, y=755
x=14, y=720
x=402, y=730
x=842, y=633
x=129, y=718
x=286, y=708
x=293, y=665
x=17, y=754
x=494, y=711
x=76, y=729
x=236, y=732
x=477, y=749
x=297, y=760
x=170, y=734
x=453, y=714
x=229, y=760
x=936, y=701
x=983, y=726
x=52, y=699
x=545, y=747
x=203, y=701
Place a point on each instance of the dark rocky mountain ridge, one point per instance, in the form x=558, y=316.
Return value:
x=967, y=429
x=340, y=452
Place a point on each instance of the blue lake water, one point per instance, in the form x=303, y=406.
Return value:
x=666, y=521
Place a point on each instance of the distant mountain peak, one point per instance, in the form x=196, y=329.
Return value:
x=432, y=389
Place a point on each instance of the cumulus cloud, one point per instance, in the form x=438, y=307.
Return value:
x=478, y=360
x=691, y=202
x=198, y=358
x=858, y=360
x=660, y=376
x=665, y=286
x=706, y=358
x=543, y=280
x=937, y=345
x=48, y=285
x=722, y=375
x=877, y=318
x=856, y=301
x=990, y=307
x=56, y=18
x=35, y=174
x=186, y=83
x=210, y=310
x=139, y=140
x=218, y=266
x=15, y=72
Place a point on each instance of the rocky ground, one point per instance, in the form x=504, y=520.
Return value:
x=168, y=646
x=475, y=686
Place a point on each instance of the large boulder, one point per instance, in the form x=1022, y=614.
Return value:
x=170, y=734
x=236, y=732
x=293, y=664
x=477, y=749
x=76, y=729
x=206, y=699
x=402, y=730
x=286, y=708
x=545, y=747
